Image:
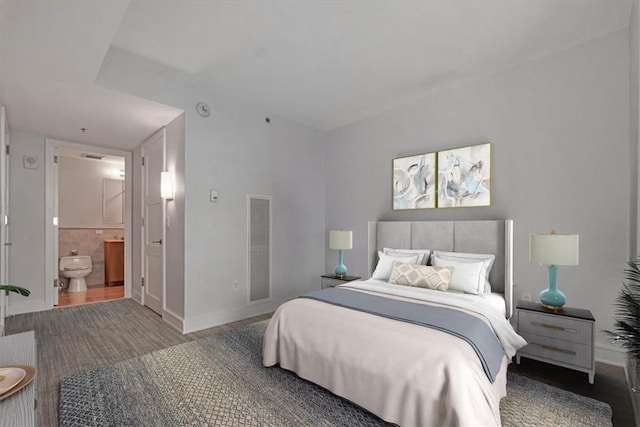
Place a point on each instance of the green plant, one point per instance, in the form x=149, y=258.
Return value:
x=17, y=289
x=627, y=325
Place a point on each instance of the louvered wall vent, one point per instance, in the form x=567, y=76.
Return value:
x=92, y=156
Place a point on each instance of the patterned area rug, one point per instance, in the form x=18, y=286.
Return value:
x=220, y=381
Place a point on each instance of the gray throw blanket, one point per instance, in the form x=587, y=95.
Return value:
x=462, y=325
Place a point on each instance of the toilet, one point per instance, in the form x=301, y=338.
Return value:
x=76, y=268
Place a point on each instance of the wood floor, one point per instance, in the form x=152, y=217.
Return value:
x=80, y=338
x=609, y=386
x=94, y=293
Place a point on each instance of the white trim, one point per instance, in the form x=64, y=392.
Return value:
x=51, y=266
x=27, y=305
x=51, y=243
x=209, y=320
x=270, y=199
x=609, y=354
x=4, y=265
x=372, y=244
x=137, y=297
x=508, y=267
x=162, y=133
x=173, y=319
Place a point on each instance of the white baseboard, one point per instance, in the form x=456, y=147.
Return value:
x=173, y=319
x=29, y=305
x=209, y=320
x=610, y=354
x=137, y=297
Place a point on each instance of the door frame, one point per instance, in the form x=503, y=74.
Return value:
x=4, y=214
x=162, y=132
x=51, y=194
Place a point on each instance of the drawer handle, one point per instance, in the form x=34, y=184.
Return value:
x=556, y=349
x=554, y=327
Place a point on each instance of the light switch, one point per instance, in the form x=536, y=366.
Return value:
x=213, y=196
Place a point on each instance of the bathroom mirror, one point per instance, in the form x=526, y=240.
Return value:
x=112, y=201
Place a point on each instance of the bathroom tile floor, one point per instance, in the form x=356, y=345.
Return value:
x=94, y=293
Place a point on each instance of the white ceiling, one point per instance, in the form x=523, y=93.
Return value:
x=50, y=54
x=323, y=63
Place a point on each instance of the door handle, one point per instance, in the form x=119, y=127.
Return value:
x=157, y=241
x=8, y=244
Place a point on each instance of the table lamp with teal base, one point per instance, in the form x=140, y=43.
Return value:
x=553, y=250
x=340, y=240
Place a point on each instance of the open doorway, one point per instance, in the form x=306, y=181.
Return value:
x=89, y=202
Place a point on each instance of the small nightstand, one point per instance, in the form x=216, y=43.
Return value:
x=331, y=280
x=564, y=338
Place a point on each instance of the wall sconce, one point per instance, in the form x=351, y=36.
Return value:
x=166, y=185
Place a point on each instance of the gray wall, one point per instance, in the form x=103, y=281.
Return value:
x=560, y=132
x=26, y=218
x=235, y=152
x=175, y=219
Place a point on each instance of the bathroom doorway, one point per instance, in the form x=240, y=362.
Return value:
x=90, y=222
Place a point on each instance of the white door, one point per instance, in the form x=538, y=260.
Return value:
x=153, y=211
x=5, y=243
x=56, y=282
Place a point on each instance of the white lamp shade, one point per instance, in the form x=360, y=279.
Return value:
x=554, y=249
x=340, y=239
x=166, y=185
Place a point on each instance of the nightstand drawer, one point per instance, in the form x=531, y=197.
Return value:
x=332, y=282
x=556, y=327
x=329, y=281
x=557, y=350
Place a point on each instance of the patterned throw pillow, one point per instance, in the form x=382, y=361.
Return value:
x=423, y=276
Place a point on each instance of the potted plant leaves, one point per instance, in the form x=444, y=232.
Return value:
x=627, y=324
x=18, y=290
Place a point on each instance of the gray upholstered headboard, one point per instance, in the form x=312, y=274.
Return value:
x=482, y=237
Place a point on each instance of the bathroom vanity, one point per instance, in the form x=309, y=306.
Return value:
x=113, y=262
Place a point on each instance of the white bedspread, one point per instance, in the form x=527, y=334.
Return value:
x=404, y=373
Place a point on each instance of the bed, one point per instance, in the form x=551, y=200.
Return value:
x=402, y=371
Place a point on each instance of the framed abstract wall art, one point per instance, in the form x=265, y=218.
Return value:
x=414, y=182
x=464, y=177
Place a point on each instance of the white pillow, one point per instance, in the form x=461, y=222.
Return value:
x=468, y=277
x=385, y=264
x=487, y=259
x=422, y=259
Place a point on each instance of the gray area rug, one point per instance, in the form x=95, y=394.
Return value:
x=220, y=381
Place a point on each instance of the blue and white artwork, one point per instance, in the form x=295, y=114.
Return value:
x=464, y=177
x=414, y=182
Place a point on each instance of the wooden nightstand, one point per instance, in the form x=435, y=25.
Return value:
x=564, y=338
x=331, y=280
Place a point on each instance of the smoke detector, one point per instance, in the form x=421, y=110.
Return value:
x=203, y=109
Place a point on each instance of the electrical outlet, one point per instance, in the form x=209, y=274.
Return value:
x=235, y=285
x=526, y=297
